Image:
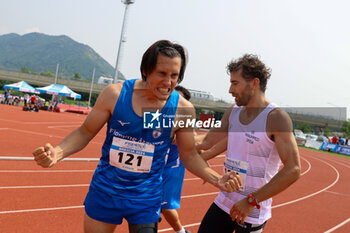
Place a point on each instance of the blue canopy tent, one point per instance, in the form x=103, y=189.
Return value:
x=61, y=90
x=21, y=86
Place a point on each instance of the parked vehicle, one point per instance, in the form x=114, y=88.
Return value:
x=322, y=139
x=299, y=137
x=311, y=137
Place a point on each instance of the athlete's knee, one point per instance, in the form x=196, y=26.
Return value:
x=143, y=228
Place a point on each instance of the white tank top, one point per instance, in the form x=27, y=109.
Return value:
x=250, y=144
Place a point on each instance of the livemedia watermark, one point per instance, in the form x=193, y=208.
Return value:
x=162, y=119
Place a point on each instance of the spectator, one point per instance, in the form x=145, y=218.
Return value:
x=16, y=100
x=54, y=104
x=26, y=99
x=334, y=139
x=6, y=95
x=33, y=99
x=47, y=105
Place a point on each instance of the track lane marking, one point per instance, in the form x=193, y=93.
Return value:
x=47, y=135
x=338, y=226
x=315, y=193
x=44, y=171
x=62, y=126
x=32, y=158
x=74, y=185
x=343, y=164
x=81, y=206
x=39, y=122
x=196, y=195
x=42, y=209
x=340, y=194
x=45, y=186
x=185, y=226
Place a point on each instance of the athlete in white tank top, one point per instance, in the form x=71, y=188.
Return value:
x=258, y=136
x=250, y=149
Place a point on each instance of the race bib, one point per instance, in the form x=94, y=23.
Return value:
x=131, y=156
x=241, y=167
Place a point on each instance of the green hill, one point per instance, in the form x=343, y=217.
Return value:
x=42, y=53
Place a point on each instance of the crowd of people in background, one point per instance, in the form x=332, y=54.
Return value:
x=339, y=140
x=30, y=102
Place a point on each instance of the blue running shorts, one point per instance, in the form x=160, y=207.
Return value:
x=110, y=209
x=173, y=178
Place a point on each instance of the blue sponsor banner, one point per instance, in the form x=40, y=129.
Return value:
x=345, y=150
x=330, y=146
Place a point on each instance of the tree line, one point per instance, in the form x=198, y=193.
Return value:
x=345, y=129
x=27, y=70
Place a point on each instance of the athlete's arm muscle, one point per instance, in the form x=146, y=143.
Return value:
x=47, y=156
x=279, y=127
x=216, y=150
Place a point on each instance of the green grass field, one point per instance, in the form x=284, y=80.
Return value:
x=322, y=151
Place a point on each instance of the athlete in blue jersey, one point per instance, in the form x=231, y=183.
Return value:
x=127, y=181
x=173, y=177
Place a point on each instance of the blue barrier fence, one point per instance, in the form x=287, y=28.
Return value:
x=345, y=150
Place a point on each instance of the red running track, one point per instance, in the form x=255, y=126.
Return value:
x=33, y=199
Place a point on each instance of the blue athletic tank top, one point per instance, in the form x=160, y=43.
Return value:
x=133, y=158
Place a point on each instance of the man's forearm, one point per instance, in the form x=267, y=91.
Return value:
x=282, y=180
x=211, y=139
x=196, y=165
x=73, y=143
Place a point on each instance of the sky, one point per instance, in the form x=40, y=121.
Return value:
x=305, y=43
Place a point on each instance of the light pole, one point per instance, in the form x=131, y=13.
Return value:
x=92, y=84
x=339, y=114
x=122, y=38
x=58, y=65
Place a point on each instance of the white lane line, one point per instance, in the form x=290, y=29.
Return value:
x=344, y=164
x=336, y=193
x=75, y=207
x=43, y=171
x=35, y=133
x=338, y=226
x=220, y=156
x=43, y=123
x=45, y=186
x=315, y=193
x=79, y=185
x=185, y=226
x=43, y=134
x=18, y=122
x=62, y=126
x=199, y=195
x=42, y=209
x=188, y=196
x=32, y=158
x=190, y=179
x=4, y=128
x=308, y=169
x=39, y=122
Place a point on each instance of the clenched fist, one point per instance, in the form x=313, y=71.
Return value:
x=45, y=156
x=230, y=182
